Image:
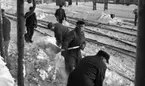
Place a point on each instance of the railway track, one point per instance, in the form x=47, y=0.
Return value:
x=88, y=40
x=126, y=38
x=121, y=39
x=96, y=37
x=89, y=22
x=120, y=50
x=130, y=52
x=88, y=31
x=129, y=35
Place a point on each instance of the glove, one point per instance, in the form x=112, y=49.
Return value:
x=58, y=44
x=82, y=46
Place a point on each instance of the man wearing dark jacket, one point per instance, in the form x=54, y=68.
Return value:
x=135, y=11
x=60, y=32
x=74, y=38
x=31, y=23
x=90, y=71
x=60, y=14
x=6, y=32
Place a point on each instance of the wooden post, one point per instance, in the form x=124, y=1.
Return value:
x=117, y=1
x=20, y=37
x=140, y=62
x=106, y=5
x=94, y=4
x=69, y=2
x=77, y=2
x=20, y=40
x=2, y=53
x=42, y=1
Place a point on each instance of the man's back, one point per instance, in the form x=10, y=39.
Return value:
x=89, y=72
x=60, y=32
x=60, y=14
x=74, y=39
x=6, y=28
x=31, y=20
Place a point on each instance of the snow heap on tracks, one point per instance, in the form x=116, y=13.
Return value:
x=106, y=18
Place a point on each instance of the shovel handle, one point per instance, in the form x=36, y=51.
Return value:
x=71, y=48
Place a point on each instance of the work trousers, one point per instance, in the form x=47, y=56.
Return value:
x=30, y=32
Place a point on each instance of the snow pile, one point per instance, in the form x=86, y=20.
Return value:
x=6, y=4
x=6, y=78
x=44, y=64
x=66, y=23
x=106, y=18
x=41, y=15
x=113, y=79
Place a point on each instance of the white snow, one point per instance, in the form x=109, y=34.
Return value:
x=55, y=66
x=6, y=78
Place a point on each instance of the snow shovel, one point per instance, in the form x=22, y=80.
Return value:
x=71, y=48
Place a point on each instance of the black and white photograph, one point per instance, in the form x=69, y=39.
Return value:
x=72, y=43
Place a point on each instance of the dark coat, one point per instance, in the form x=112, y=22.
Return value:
x=31, y=20
x=73, y=39
x=73, y=57
x=89, y=72
x=60, y=14
x=6, y=29
x=60, y=32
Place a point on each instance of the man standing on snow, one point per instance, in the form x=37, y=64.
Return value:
x=6, y=24
x=75, y=38
x=90, y=71
x=60, y=14
x=136, y=16
x=94, y=4
x=31, y=23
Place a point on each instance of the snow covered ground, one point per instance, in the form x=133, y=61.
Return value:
x=119, y=64
x=112, y=78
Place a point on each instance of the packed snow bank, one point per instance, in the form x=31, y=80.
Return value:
x=106, y=18
x=44, y=64
x=6, y=78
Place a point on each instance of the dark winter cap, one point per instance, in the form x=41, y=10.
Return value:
x=30, y=8
x=60, y=5
x=80, y=22
x=2, y=10
x=50, y=25
x=104, y=54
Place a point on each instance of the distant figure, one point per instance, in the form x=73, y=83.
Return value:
x=74, y=38
x=6, y=24
x=60, y=14
x=94, y=4
x=135, y=11
x=60, y=32
x=31, y=23
x=90, y=71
